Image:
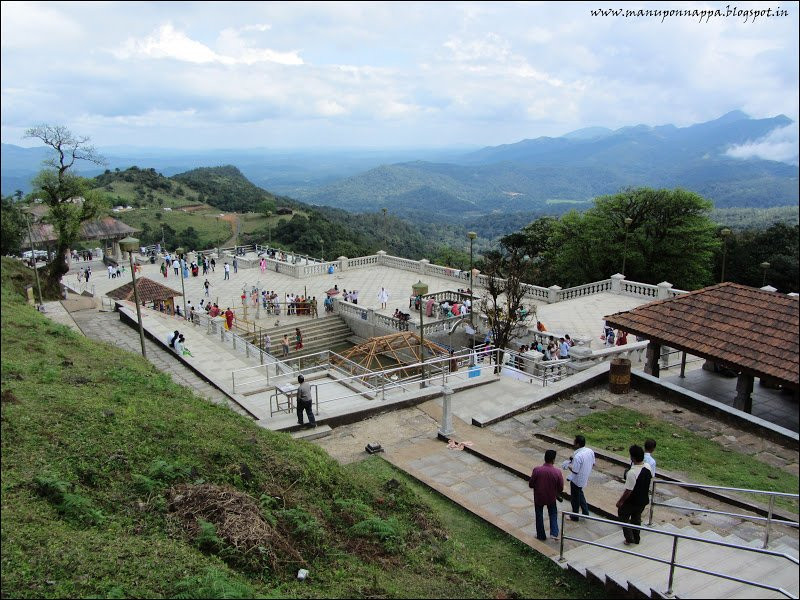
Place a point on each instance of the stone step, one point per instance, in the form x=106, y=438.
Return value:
x=317, y=432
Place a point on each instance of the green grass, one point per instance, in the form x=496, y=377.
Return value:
x=94, y=440
x=251, y=222
x=703, y=460
x=210, y=229
x=122, y=192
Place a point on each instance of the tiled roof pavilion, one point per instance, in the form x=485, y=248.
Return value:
x=751, y=331
x=149, y=291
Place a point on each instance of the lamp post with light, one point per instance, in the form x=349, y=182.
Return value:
x=628, y=222
x=765, y=266
x=725, y=233
x=180, y=253
x=471, y=235
x=129, y=245
x=33, y=257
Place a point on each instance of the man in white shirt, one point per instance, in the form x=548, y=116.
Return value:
x=649, y=448
x=579, y=466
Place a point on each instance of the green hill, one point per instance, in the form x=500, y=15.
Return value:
x=116, y=482
x=226, y=188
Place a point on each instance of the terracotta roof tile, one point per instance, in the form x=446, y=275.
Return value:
x=744, y=327
x=149, y=291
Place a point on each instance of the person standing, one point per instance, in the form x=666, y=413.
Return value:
x=229, y=318
x=176, y=267
x=383, y=297
x=563, y=348
x=164, y=270
x=267, y=343
x=235, y=264
x=304, y=402
x=227, y=271
x=635, y=497
x=649, y=448
x=548, y=485
x=580, y=465
x=285, y=345
x=206, y=285
x=298, y=337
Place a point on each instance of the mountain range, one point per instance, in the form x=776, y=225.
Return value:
x=545, y=175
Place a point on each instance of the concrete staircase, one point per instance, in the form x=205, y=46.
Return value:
x=318, y=334
x=637, y=577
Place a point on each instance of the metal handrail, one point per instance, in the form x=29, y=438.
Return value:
x=673, y=564
x=769, y=518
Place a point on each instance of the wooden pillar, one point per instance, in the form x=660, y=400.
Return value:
x=744, y=391
x=651, y=366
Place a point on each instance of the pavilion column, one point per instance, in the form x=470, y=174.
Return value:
x=744, y=391
x=651, y=366
x=117, y=252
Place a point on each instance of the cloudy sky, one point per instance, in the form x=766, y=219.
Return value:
x=393, y=74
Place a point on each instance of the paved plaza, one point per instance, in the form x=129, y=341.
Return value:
x=580, y=317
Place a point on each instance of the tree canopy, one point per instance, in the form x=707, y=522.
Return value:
x=670, y=238
x=68, y=196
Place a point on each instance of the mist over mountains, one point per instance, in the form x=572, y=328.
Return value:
x=723, y=160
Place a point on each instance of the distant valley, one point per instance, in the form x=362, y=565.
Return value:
x=513, y=182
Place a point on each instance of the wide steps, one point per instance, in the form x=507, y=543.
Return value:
x=639, y=577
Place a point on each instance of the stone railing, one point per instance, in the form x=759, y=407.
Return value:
x=583, y=357
x=361, y=261
x=303, y=266
x=587, y=289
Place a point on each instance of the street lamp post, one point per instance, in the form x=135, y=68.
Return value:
x=765, y=266
x=130, y=244
x=471, y=235
x=33, y=258
x=628, y=222
x=180, y=253
x=725, y=233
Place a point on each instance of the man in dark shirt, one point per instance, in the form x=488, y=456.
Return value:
x=304, y=402
x=548, y=484
x=635, y=497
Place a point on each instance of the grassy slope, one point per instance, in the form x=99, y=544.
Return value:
x=118, y=433
x=205, y=222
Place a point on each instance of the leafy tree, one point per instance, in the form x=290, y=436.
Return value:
x=13, y=227
x=748, y=249
x=670, y=238
x=69, y=197
x=537, y=241
x=502, y=302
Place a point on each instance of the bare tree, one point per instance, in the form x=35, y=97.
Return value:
x=67, y=195
x=502, y=303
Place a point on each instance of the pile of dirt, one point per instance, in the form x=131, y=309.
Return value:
x=236, y=517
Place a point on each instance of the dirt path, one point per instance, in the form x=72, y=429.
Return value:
x=233, y=219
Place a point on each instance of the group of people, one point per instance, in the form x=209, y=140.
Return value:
x=554, y=349
x=82, y=255
x=84, y=274
x=114, y=271
x=177, y=343
x=610, y=338
x=547, y=483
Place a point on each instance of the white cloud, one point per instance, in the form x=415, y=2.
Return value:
x=780, y=145
x=169, y=43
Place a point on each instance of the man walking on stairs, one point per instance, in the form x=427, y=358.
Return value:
x=580, y=466
x=548, y=484
x=635, y=497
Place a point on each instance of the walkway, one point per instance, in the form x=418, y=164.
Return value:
x=106, y=327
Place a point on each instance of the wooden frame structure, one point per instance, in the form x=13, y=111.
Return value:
x=396, y=349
